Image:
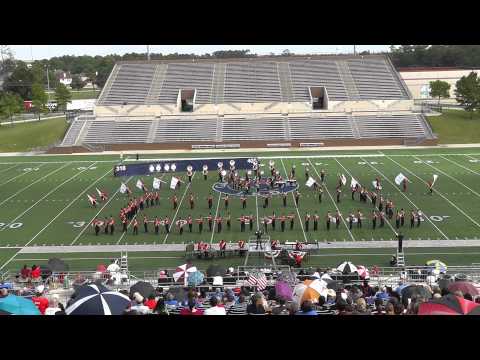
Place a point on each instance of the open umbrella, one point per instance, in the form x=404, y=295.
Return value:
x=195, y=279
x=283, y=290
x=143, y=288
x=183, y=271
x=310, y=290
x=94, y=299
x=449, y=305
x=57, y=265
x=363, y=272
x=289, y=277
x=437, y=265
x=465, y=287
x=347, y=268
x=17, y=305
x=413, y=290
x=216, y=270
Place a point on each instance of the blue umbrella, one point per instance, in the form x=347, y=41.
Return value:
x=195, y=279
x=17, y=305
x=96, y=299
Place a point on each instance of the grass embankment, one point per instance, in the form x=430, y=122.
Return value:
x=456, y=127
x=27, y=136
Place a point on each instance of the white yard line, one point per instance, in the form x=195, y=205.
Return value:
x=438, y=192
x=99, y=211
x=348, y=172
x=36, y=181
x=256, y=207
x=216, y=214
x=11, y=167
x=334, y=203
x=24, y=173
x=406, y=197
x=46, y=195
x=60, y=213
x=300, y=219
x=179, y=206
x=460, y=165
x=451, y=177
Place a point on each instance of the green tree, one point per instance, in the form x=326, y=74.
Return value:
x=10, y=104
x=467, y=92
x=39, y=99
x=77, y=83
x=439, y=89
x=63, y=96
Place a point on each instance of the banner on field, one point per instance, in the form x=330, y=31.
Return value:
x=91, y=199
x=156, y=183
x=354, y=183
x=310, y=182
x=343, y=179
x=376, y=185
x=174, y=182
x=435, y=177
x=123, y=188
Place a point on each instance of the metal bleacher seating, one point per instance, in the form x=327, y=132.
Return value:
x=175, y=129
x=117, y=132
x=73, y=133
x=319, y=127
x=390, y=126
x=242, y=128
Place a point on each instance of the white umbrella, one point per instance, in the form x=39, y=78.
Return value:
x=182, y=272
x=347, y=267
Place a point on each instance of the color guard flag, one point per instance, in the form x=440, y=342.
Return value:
x=123, y=188
x=376, y=185
x=174, y=182
x=140, y=185
x=435, y=177
x=343, y=179
x=92, y=200
x=400, y=177
x=354, y=183
x=156, y=183
x=101, y=194
x=310, y=182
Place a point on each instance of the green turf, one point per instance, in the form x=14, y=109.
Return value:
x=25, y=137
x=456, y=127
x=44, y=199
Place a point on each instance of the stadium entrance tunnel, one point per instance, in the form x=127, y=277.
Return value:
x=262, y=189
x=318, y=97
x=187, y=99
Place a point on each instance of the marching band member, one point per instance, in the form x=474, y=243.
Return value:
x=242, y=223
x=210, y=221
x=397, y=220
x=404, y=183
x=307, y=221
x=328, y=219
x=175, y=202
x=145, y=223
x=322, y=175
x=284, y=198
x=251, y=221
x=218, y=221
x=241, y=247
x=192, y=201
x=125, y=224
x=273, y=218
x=430, y=186
x=210, y=201
x=382, y=219
x=292, y=172
x=297, y=197
x=180, y=226
x=111, y=223
x=265, y=224
x=223, y=246
x=166, y=223
x=135, y=226
x=226, y=201
x=292, y=220
x=282, y=222
x=190, y=223
x=96, y=225
x=374, y=219
x=205, y=172
x=229, y=223
x=307, y=173
x=350, y=220
x=402, y=217
x=105, y=226
x=200, y=224
x=339, y=191
x=157, y=198
x=412, y=219
x=243, y=199
x=157, y=225
x=320, y=193
x=419, y=217
x=189, y=174
x=359, y=219
x=337, y=220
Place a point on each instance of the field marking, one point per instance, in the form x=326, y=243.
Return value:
x=376, y=207
x=60, y=213
x=11, y=167
x=216, y=214
x=103, y=258
x=464, y=167
x=408, y=199
x=439, y=193
x=334, y=203
x=15, y=177
x=471, y=157
x=300, y=219
x=99, y=211
x=180, y=205
x=49, y=193
x=451, y=177
x=36, y=181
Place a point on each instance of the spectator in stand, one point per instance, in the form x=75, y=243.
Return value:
x=281, y=307
x=36, y=272
x=379, y=308
x=53, y=308
x=62, y=310
x=361, y=307
x=151, y=302
x=258, y=305
x=171, y=302
x=240, y=308
x=39, y=300
x=25, y=273
x=191, y=309
x=229, y=299
x=216, y=307
x=138, y=305
x=3, y=293
x=306, y=309
x=160, y=307
x=399, y=309
x=389, y=309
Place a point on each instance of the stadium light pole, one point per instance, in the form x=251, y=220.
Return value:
x=354, y=50
x=48, y=84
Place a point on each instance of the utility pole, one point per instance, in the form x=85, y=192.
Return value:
x=48, y=84
x=355, y=50
x=148, y=52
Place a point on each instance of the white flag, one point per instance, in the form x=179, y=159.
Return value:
x=91, y=199
x=156, y=183
x=343, y=179
x=140, y=184
x=310, y=182
x=98, y=192
x=354, y=183
x=400, y=177
x=173, y=183
x=123, y=188
x=435, y=177
x=375, y=185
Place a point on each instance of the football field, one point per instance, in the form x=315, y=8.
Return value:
x=43, y=203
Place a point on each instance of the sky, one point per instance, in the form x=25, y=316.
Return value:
x=38, y=52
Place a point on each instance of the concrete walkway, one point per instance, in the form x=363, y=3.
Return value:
x=181, y=247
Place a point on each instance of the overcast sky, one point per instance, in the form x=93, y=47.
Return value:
x=38, y=52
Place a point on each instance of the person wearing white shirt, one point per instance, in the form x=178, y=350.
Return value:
x=53, y=306
x=215, y=309
x=139, y=306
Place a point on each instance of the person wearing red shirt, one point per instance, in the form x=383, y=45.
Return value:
x=36, y=272
x=222, y=245
x=151, y=302
x=39, y=300
x=25, y=272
